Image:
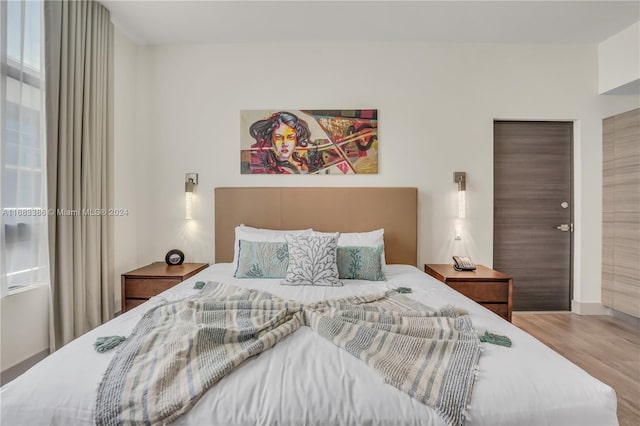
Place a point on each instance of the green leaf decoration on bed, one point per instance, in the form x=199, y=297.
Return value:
x=106, y=343
x=495, y=339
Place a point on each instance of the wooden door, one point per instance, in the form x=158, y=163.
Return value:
x=532, y=202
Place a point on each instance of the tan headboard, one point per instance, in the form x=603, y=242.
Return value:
x=323, y=209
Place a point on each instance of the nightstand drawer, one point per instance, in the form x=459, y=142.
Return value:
x=501, y=309
x=489, y=287
x=132, y=303
x=144, y=283
x=482, y=291
x=146, y=288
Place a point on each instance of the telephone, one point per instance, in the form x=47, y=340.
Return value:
x=463, y=264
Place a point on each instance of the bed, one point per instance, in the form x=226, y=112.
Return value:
x=305, y=379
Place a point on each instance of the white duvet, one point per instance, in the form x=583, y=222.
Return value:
x=319, y=384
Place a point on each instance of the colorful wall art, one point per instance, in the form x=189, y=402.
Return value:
x=309, y=141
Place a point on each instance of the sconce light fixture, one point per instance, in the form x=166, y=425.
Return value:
x=461, y=179
x=190, y=182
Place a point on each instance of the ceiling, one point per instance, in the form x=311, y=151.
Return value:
x=539, y=22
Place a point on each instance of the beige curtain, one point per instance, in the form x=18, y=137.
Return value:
x=79, y=92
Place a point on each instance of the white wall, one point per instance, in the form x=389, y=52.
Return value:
x=126, y=162
x=619, y=62
x=436, y=106
x=25, y=325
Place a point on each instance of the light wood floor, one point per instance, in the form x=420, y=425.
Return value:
x=606, y=347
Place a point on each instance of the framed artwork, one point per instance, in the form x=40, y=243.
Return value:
x=309, y=141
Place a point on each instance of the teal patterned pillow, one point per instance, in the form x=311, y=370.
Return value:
x=360, y=263
x=262, y=260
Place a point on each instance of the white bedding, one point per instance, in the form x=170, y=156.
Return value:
x=320, y=384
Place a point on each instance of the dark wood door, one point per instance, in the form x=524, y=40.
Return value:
x=532, y=183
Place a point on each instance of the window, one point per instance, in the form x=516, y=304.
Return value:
x=23, y=247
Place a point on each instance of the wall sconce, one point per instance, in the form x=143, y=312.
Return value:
x=461, y=179
x=190, y=182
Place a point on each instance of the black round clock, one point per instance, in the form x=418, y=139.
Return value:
x=174, y=257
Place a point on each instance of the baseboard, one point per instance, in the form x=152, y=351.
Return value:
x=12, y=372
x=589, y=308
x=625, y=317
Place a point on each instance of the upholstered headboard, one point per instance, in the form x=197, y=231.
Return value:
x=323, y=209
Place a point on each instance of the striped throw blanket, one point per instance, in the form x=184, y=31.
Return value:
x=180, y=349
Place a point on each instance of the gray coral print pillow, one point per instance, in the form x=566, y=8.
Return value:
x=312, y=260
x=360, y=263
x=262, y=260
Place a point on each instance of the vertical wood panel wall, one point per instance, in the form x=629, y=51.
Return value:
x=621, y=213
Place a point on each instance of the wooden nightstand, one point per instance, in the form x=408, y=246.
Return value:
x=143, y=283
x=490, y=288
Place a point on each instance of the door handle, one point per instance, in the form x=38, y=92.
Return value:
x=565, y=227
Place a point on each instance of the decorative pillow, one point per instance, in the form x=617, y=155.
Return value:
x=262, y=260
x=248, y=233
x=312, y=260
x=360, y=263
x=364, y=239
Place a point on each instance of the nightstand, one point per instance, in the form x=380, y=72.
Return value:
x=143, y=283
x=490, y=288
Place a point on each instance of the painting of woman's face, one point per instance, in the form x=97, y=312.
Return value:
x=284, y=140
x=309, y=141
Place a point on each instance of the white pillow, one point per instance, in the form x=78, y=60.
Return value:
x=364, y=239
x=248, y=233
